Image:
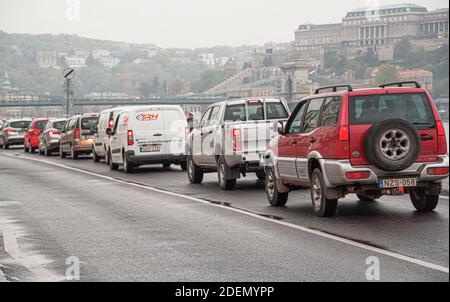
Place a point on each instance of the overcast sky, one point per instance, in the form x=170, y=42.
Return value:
x=179, y=23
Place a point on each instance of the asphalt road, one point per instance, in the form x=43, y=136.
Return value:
x=154, y=226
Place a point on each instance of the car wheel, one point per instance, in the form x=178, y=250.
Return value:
x=127, y=166
x=275, y=198
x=95, y=157
x=112, y=165
x=107, y=158
x=261, y=175
x=195, y=173
x=422, y=201
x=323, y=207
x=224, y=183
x=73, y=154
x=364, y=198
x=25, y=148
x=62, y=154
x=46, y=152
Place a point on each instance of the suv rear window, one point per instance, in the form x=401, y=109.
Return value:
x=89, y=122
x=41, y=125
x=255, y=112
x=370, y=109
x=20, y=124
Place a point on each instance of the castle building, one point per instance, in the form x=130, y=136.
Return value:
x=374, y=26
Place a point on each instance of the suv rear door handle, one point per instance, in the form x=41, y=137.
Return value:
x=426, y=137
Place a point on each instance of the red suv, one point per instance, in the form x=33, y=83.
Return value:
x=31, y=138
x=372, y=142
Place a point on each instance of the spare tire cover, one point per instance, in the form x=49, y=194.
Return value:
x=392, y=144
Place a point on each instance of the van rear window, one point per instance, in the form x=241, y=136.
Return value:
x=370, y=109
x=89, y=122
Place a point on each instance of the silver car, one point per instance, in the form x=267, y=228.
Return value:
x=13, y=132
x=50, y=137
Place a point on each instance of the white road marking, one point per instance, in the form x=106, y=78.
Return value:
x=11, y=247
x=283, y=223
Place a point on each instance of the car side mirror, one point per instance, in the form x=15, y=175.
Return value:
x=281, y=128
x=109, y=132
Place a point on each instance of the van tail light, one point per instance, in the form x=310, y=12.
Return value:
x=77, y=133
x=236, y=139
x=111, y=123
x=357, y=175
x=130, y=138
x=437, y=171
x=442, y=141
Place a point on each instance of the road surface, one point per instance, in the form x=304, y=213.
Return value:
x=154, y=226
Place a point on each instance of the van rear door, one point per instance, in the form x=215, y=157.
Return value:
x=148, y=131
x=175, y=125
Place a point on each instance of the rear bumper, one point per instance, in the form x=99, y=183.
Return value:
x=250, y=161
x=155, y=159
x=52, y=146
x=335, y=172
x=14, y=140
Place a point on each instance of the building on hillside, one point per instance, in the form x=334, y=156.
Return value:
x=47, y=59
x=424, y=77
x=76, y=61
x=372, y=26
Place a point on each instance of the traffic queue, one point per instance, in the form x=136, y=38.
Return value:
x=386, y=140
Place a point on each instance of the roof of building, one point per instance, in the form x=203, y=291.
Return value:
x=320, y=26
x=415, y=72
x=387, y=9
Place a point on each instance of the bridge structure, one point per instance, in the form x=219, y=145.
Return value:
x=59, y=102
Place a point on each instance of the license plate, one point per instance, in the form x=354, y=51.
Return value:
x=397, y=182
x=153, y=148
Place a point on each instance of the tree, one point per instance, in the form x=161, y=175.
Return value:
x=207, y=80
x=403, y=50
x=387, y=74
x=145, y=89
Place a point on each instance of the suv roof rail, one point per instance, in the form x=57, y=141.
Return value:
x=334, y=88
x=400, y=84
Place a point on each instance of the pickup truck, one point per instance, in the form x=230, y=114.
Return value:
x=232, y=138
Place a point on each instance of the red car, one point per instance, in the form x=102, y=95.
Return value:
x=31, y=139
x=372, y=142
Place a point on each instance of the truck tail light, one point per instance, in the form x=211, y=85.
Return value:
x=357, y=175
x=111, y=123
x=77, y=133
x=442, y=141
x=236, y=139
x=130, y=138
x=437, y=171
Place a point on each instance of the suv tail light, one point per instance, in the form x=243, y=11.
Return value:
x=130, y=138
x=111, y=123
x=442, y=141
x=438, y=171
x=343, y=133
x=77, y=133
x=10, y=131
x=54, y=133
x=236, y=139
x=357, y=175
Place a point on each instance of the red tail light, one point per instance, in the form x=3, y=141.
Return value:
x=77, y=133
x=236, y=139
x=357, y=175
x=442, y=141
x=343, y=133
x=437, y=171
x=130, y=137
x=111, y=123
x=10, y=131
x=54, y=133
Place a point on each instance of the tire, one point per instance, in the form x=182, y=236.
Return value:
x=194, y=172
x=401, y=150
x=323, y=207
x=95, y=157
x=423, y=202
x=5, y=145
x=261, y=175
x=183, y=166
x=46, y=152
x=275, y=198
x=73, y=154
x=41, y=152
x=25, y=149
x=62, y=154
x=127, y=166
x=224, y=183
x=364, y=198
x=112, y=165
x=32, y=150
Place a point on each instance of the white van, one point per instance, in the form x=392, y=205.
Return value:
x=144, y=135
x=101, y=139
